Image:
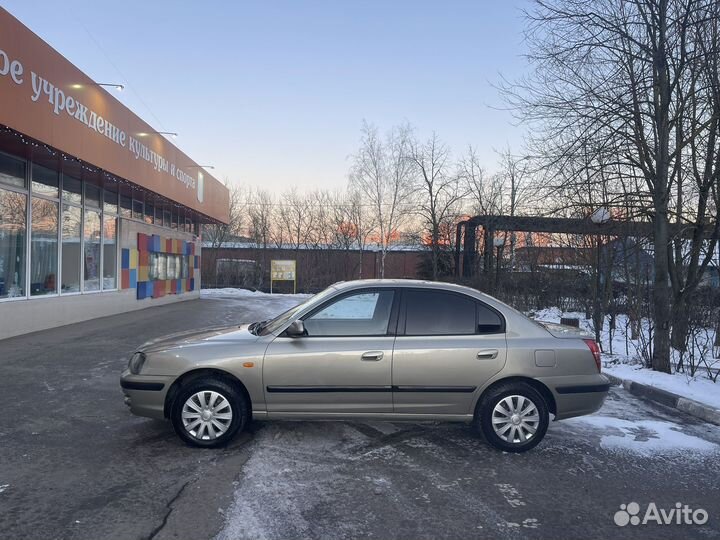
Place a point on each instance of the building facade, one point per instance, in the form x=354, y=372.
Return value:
x=99, y=213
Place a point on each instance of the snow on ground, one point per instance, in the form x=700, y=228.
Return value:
x=645, y=437
x=625, y=362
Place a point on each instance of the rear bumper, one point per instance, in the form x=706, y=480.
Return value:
x=145, y=395
x=578, y=395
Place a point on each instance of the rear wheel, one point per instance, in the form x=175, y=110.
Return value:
x=513, y=417
x=208, y=413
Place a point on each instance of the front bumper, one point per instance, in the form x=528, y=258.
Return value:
x=145, y=394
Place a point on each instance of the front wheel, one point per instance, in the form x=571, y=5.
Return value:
x=208, y=413
x=513, y=417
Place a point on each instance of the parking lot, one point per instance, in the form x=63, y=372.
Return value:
x=76, y=464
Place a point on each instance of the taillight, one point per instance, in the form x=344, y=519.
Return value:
x=595, y=350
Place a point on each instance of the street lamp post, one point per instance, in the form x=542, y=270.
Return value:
x=599, y=217
x=499, y=243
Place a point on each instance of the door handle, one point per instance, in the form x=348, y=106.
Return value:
x=372, y=356
x=487, y=354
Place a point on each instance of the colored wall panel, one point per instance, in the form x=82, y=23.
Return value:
x=141, y=290
x=133, y=258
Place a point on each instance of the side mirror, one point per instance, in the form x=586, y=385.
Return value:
x=296, y=329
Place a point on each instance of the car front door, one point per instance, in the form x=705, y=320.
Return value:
x=343, y=365
x=448, y=345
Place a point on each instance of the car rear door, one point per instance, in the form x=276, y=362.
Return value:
x=343, y=365
x=448, y=345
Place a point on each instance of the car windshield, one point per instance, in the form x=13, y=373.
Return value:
x=273, y=325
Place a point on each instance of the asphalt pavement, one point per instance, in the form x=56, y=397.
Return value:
x=75, y=464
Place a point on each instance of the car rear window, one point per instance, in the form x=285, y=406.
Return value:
x=489, y=321
x=436, y=313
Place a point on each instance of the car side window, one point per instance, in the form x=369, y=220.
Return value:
x=360, y=314
x=489, y=321
x=437, y=313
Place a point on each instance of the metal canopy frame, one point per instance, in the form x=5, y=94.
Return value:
x=466, y=233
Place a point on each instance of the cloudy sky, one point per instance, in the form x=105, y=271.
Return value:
x=274, y=93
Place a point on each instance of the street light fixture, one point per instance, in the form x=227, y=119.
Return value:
x=170, y=133
x=199, y=167
x=118, y=87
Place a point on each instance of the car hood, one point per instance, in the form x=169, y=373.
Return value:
x=563, y=331
x=222, y=334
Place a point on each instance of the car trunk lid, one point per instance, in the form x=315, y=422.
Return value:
x=563, y=331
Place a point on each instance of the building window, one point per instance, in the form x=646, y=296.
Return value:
x=71, y=189
x=110, y=197
x=45, y=181
x=109, y=252
x=13, y=218
x=171, y=267
x=137, y=205
x=162, y=265
x=149, y=213
x=125, y=206
x=71, y=235
x=91, y=250
x=185, y=267
x=92, y=195
x=12, y=171
x=43, y=247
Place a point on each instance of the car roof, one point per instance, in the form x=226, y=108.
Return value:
x=408, y=283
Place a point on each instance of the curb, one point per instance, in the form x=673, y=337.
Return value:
x=689, y=406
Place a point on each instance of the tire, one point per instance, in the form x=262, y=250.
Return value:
x=206, y=406
x=521, y=432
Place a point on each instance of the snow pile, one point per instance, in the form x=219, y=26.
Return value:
x=697, y=388
x=246, y=293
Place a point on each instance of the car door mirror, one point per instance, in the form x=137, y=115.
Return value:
x=296, y=329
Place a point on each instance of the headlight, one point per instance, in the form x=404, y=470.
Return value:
x=136, y=363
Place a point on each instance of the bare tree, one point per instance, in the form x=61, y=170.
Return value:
x=514, y=171
x=260, y=214
x=485, y=192
x=295, y=219
x=440, y=187
x=381, y=172
x=219, y=233
x=636, y=82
